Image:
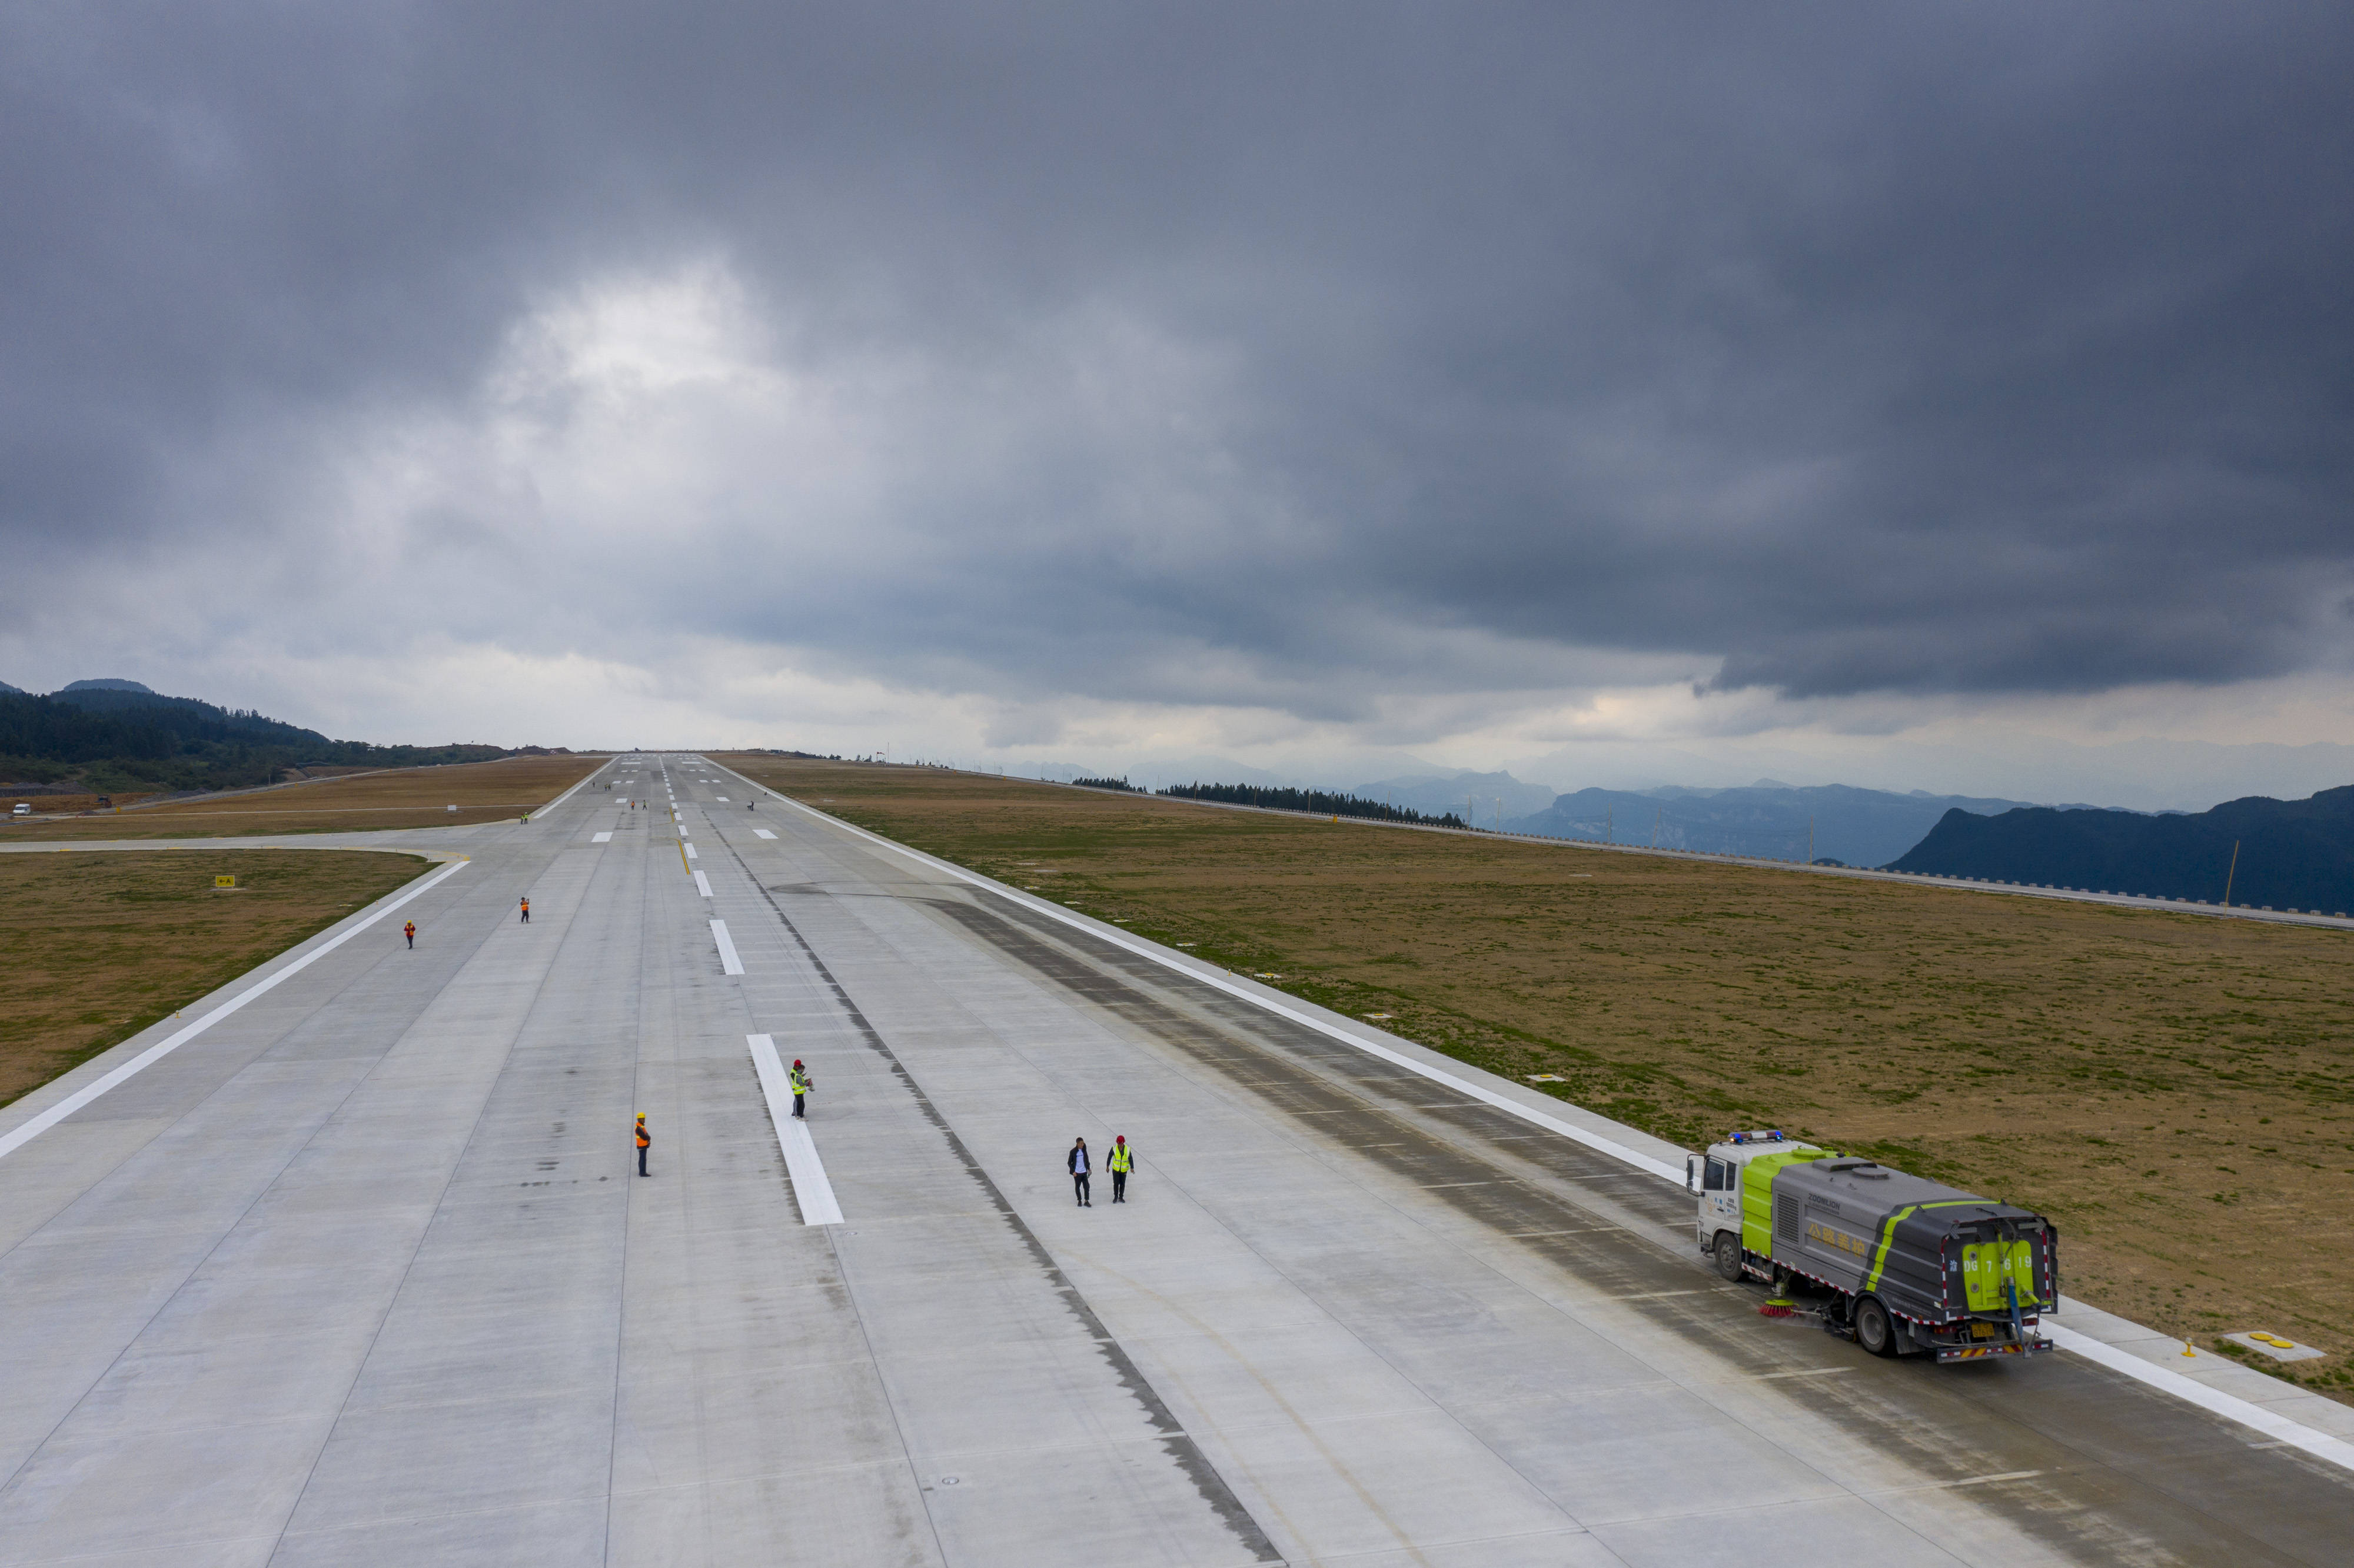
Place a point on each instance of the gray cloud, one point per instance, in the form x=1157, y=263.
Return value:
x=1301, y=358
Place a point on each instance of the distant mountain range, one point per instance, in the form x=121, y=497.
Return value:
x=1855, y=827
x=2290, y=854
x=1486, y=798
x=117, y=737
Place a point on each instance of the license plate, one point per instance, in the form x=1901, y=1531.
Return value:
x=1975, y=1352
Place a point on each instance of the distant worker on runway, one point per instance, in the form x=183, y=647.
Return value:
x=1078, y=1166
x=409, y=931
x=1122, y=1162
x=645, y=1141
x=527, y=909
x=802, y=1084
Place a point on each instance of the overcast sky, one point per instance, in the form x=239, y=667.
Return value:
x=1313, y=386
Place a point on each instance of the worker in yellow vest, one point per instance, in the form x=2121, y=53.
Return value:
x=643, y=1143
x=1122, y=1162
x=802, y=1084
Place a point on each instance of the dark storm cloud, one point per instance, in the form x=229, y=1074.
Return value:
x=1932, y=349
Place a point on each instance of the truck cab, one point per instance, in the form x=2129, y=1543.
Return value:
x=1725, y=1229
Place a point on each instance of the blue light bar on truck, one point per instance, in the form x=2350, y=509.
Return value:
x=1769, y=1135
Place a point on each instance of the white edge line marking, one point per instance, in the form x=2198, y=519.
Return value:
x=762, y=833
x=728, y=962
x=2289, y=1430
x=602, y=839
x=811, y=1188
x=703, y=884
x=574, y=791
x=18, y=1137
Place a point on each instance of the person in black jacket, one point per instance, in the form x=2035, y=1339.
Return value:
x=1078, y=1161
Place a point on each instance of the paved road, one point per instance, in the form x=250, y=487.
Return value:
x=364, y=1273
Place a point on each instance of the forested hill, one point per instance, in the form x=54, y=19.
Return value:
x=125, y=742
x=2292, y=854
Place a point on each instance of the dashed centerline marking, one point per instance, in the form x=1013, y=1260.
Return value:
x=810, y=1189
x=702, y=884
x=728, y=962
x=762, y=833
x=602, y=839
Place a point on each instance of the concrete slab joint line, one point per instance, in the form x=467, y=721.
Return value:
x=18, y=1137
x=2245, y=1413
x=728, y=962
x=811, y=1188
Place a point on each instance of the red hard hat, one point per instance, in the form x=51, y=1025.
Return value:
x=1119, y=1141
x=797, y=1061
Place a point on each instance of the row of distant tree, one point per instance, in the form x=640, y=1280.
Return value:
x=1318, y=803
x=114, y=742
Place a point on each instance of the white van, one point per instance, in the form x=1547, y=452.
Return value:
x=24, y=809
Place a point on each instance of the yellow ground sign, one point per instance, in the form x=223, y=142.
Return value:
x=224, y=882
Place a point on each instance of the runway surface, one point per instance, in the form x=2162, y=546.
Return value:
x=363, y=1273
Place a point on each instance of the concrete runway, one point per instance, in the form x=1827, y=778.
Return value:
x=364, y=1272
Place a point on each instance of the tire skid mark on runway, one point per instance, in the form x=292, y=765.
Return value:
x=2083, y=1429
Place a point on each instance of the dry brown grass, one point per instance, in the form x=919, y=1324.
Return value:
x=100, y=945
x=402, y=798
x=2175, y=1090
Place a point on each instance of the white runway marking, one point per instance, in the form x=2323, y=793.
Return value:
x=728, y=962
x=814, y=1193
x=602, y=839
x=569, y=793
x=65, y=1107
x=682, y=830
x=690, y=852
x=720, y=798
x=762, y=833
x=702, y=884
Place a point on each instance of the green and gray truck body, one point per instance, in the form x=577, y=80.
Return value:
x=1912, y=1266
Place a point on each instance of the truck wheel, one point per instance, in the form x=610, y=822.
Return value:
x=1728, y=1256
x=1874, y=1330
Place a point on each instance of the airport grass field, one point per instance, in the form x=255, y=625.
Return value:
x=101, y=944
x=366, y=803
x=2175, y=1091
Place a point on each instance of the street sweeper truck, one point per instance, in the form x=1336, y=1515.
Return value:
x=1900, y=1264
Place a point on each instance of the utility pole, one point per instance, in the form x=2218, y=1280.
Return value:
x=1610, y=825
x=1655, y=825
x=2231, y=873
x=1811, y=840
